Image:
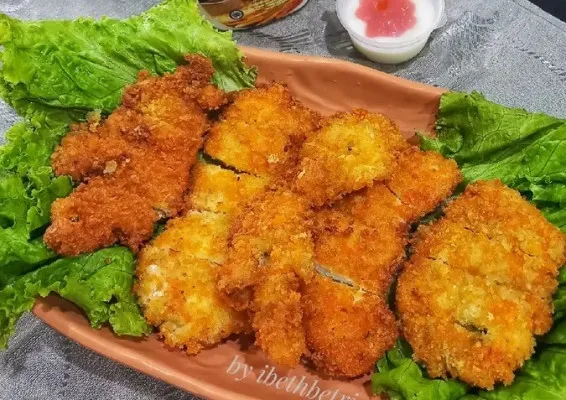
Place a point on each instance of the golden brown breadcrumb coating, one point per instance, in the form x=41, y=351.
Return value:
x=492, y=208
x=262, y=132
x=462, y=325
x=278, y=318
x=177, y=273
x=371, y=226
x=361, y=239
x=213, y=188
x=271, y=252
x=270, y=255
x=419, y=184
x=134, y=164
x=349, y=329
x=176, y=283
x=366, y=256
x=422, y=180
x=348, y=153
x=479, y=286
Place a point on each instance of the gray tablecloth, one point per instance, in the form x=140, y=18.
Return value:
x=508, y=49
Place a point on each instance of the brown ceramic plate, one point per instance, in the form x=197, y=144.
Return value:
x=328, y=86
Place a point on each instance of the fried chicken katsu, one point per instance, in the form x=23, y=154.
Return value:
x=270, y=256
x=375, y=220
x=479, y=286
x=177, y=272
x=176, y=283
x=262, y=132
x=348, y=153
x=213, y=188
x=361, y=240
x=133, y=167
x=367, y=257
x=370, y=182
x=347, y=328
x=419, y=183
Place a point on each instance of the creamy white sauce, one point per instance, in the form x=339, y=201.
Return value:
x=425, y=15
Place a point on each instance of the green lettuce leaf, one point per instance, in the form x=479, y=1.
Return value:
x=85, y=64
x=100, y=283
x=27, y=189
x=401, y=378
x=526, y=151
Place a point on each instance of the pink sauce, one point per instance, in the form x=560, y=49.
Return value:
x=387, y=17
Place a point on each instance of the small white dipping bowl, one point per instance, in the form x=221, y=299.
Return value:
x=390, y=50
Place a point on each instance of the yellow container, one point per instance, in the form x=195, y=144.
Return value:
x=243, y=14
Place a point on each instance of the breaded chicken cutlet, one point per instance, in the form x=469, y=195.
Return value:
x=133, y=167
x=262, y=132
x=268, y=274
x=176, y=283
x=479, y=286
x=270, y=253
x=347, y=329
x=361, y=240
x=176, y=273
x=376, y=219
x=259, y=134
x=348, y=153
x=270, y=257
x=364, y=256
x=213, y=188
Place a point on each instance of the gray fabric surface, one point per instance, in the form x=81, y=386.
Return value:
x=508, y=49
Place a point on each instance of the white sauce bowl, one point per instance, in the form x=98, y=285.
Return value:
x=391, y=50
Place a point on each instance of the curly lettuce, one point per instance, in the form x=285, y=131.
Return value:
x=401, y=378
x=84, y=64
x=27, y=189
x=100, y=283
x=526, y=151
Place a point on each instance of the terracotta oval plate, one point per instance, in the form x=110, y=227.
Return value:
x=228, y=372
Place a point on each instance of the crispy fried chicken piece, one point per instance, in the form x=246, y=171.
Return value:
x=367, y=257
x=422, y=181
x=270, y=256
x=472, y=297
x=71, y=217
x=213, y=188
x=278, y=318
x=492, y=208
x=176, y=283
x=177, y=273
x=349, y=152
x=419, y=184
x=135, y=164
x=348, y=325
x=361, y=239
x=463, y=325
x=349, y=329
x=262, y=132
